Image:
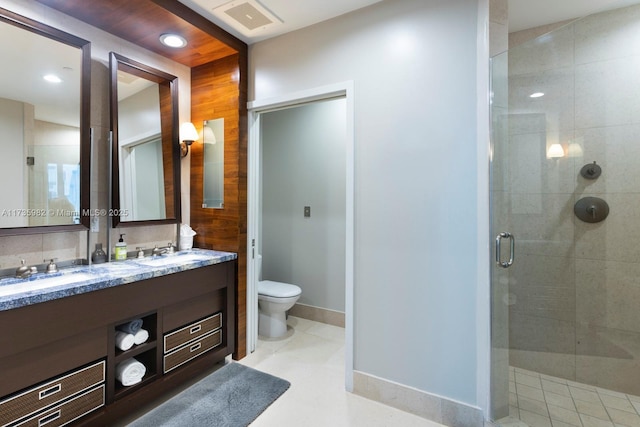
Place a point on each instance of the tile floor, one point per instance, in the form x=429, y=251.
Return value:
x=311, y=357
x=538, y=400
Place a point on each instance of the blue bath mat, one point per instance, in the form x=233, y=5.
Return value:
x=232, y=396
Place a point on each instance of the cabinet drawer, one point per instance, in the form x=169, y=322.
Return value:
x=192, y=332
x=68, y=411
x=38, y=398
x=194, y=349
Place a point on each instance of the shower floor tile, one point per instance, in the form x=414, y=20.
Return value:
x=542, y=400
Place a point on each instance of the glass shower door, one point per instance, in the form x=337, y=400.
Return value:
x=566, y=104
x=533, y=189
x=500, y=223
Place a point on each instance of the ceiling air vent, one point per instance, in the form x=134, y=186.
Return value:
x=247, y=16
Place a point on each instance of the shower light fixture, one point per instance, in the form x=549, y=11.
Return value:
x=555, y=151
x=188, y=134
x=575, y=150
x=536, y=95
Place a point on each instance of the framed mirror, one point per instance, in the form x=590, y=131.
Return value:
x=146, y=153
x=44, y=128
x=213, y=176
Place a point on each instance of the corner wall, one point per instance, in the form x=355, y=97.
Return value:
x=217, y=92
x=413, y=64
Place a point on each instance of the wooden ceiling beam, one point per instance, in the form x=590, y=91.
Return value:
x=143, y=21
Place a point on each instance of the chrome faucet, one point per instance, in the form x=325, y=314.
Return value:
x=169, y=249
x=158, y=251
x=51, y=267
x=25, y=271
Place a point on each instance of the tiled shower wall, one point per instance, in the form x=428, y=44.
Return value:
x=71, y=245
x=574, y=290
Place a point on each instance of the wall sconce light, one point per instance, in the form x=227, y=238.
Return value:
x=188, y=134
x=555, y=151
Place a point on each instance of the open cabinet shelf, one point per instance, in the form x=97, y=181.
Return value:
x=149, y=360
x=145, y=353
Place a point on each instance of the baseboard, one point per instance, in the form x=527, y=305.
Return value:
x=423, y=404
x=322, y=315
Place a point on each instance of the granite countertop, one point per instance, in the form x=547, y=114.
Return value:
x=41, y=287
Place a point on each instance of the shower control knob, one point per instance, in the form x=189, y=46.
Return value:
x=591, y=171
x=591, y=209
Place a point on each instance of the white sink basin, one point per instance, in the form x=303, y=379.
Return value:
x=163, y=260
x=43, y=283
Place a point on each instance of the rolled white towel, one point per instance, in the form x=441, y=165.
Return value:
x=130, y=372
x=124, y=341
x=141, y=336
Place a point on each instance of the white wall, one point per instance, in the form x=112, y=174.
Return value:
x=12, y=161
x=303, y=164
x=139, y=115
x=148, y=177
x=53, y=143
x=141, y=171
x=413, y=64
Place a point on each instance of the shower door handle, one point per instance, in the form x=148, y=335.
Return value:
x=512, y=245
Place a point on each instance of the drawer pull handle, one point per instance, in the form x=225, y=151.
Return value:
x=195, y=347
x=195, y=329
x=48, y=392
x=51, y=417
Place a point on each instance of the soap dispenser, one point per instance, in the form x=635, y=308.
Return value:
x=121, y=249
x=98, y=256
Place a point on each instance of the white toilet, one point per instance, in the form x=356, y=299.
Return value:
x=274, y=299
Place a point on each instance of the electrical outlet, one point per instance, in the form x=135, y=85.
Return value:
x=95, y=224
x=307, y=211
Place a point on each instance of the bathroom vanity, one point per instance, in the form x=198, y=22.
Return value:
x=58, y=353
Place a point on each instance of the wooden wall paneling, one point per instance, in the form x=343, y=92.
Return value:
x=168, y=161
x=243, y=142
x=218, y=90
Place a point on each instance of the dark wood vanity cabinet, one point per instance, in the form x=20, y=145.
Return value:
x=190, y=317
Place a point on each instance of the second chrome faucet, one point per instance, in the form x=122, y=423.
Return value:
x=25, y=271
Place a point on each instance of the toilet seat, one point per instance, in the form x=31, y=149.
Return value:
x=278, y=289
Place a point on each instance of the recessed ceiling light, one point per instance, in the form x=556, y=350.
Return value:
x=536, y=95
x=173, y=40
x=52, y=78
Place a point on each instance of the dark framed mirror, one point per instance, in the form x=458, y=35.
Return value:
x=145, y=151
x=44, y=128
